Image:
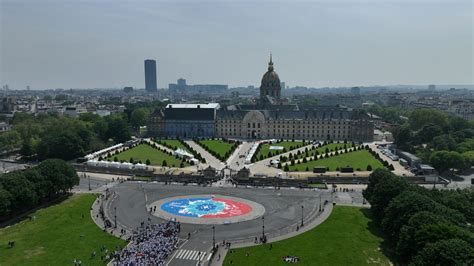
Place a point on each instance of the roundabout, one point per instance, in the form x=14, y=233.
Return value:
x=207, y=209
x=211, y=215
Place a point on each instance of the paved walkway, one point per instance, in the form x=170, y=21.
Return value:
x=97, y=218
x=399, y=169
x=237, y=160
x=210, y=159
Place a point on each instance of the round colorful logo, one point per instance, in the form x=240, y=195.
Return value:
x=206, y=207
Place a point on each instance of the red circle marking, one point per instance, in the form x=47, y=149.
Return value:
x=232, y=208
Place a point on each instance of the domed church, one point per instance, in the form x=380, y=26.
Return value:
x=272, y=117
x=270, y=83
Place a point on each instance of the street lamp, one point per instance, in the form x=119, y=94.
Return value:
x=302, y=210
x=263, y=227
x=115, y=210
x=320, y=202
x=89, y=178
x=213, y=237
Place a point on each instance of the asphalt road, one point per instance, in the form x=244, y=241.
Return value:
x=282, y=213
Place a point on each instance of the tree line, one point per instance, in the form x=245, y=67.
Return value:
x=444, y=141
x=43, y=136
x=423, y=226
x=23, y=190
x=235, y=144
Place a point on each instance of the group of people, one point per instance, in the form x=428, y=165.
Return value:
x=151, y=245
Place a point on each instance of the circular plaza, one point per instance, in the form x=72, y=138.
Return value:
x=207, y=209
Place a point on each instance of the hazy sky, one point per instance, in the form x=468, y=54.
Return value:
x=102, y=43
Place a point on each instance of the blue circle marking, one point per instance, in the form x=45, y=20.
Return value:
x=193, y=207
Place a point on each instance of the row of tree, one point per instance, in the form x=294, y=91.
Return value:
x=25, y=189
x=235, y=144
x=262, y=156
x=424, y=227
x=50, y=136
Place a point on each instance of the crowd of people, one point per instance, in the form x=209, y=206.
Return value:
x=150, y=245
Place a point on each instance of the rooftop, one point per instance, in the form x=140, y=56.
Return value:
x=194, y=105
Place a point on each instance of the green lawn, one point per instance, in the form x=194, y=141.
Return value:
x=173, y=143
x=57, y=236
x=356, y=159
x=219, y=146
x=345, y=238
x=143, y=152
x=321, y=150
x=288, y=145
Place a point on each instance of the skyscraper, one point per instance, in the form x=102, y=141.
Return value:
x=150, y=75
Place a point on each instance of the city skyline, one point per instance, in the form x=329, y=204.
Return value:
x=322, y=44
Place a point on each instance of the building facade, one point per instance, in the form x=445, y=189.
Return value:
x=150, y=75
x=318, y=123
x=272, y=117
x=190, y=120
x=182, y=88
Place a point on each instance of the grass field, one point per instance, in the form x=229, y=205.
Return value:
x=219, y=146
x=57, y=236
x=357, y=159
x=321, y=150
x=347, y=237
x=143, y=152
x=174, y=143
x=288, y=145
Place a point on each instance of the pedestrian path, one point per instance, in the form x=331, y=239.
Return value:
x=186, y=254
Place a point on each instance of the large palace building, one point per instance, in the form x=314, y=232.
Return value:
x=272, y=117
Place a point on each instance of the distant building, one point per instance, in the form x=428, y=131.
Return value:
x=181, y=82
x=463, y=109
x=74, y=111
x=355, y=91
x=8, y=104
x=190, y=120
x=271, y=117
x=150, y=75
x=128, y=89
x=182, y=88
x=156, y=124
x=4, y=127
x=431, y=87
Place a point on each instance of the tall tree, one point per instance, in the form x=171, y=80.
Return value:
x=421, y=117
x=445, y=252
x=23, y=192
x=446, y=160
